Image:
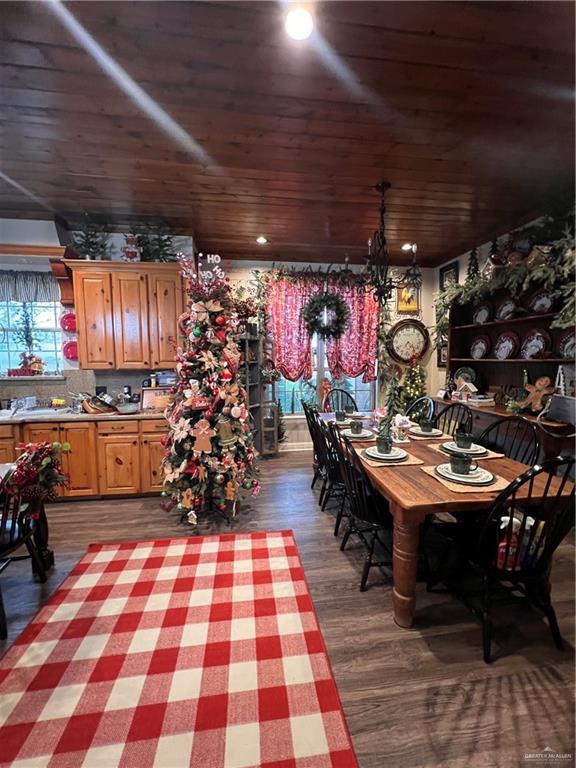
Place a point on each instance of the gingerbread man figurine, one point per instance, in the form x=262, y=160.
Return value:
x=536, y=392
x=203, y=434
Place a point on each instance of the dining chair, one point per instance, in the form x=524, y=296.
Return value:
x=421, y=408
x=309, y=413
x=513, y=436
x=16, y=531
x=337, y=400
x=455, y=416
x=369, y=516
x=332, y=485
x=512, y=545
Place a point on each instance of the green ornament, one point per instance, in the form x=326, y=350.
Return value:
x=164, y=493
x=197, y=331
x=248, y=484
x=180, y=506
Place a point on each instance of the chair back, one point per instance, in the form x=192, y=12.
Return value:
x=513, y=436
x=529, y=519
x=14, y=524
x=421, y=408
x=337, y=400
x=352, y=473
x=455, y=416
x=330, y=458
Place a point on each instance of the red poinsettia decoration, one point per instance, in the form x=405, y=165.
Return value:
x=36, y=473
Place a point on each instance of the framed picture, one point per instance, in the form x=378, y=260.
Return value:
x=448, y=275
x=155, y=399
x=407, y=299
x=442, y=356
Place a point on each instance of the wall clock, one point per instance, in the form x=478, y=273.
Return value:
x=408, y=341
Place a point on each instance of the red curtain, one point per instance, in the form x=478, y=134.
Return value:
x=286, y=299
x=355, y=352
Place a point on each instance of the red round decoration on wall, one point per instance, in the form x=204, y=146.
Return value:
x=70, y=350
x=68, y=322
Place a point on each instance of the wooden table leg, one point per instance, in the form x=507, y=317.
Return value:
x=404, y=564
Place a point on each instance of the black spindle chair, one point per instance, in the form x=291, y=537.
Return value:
x=310, y=414
x=455, y=416
x=369, y=517
x=16, y=530
x=337, y=400
x=513, y=436
x=421, y=408
x=332, y=486
x=513, y=545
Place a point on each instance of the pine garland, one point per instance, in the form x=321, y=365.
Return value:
x=338, y=316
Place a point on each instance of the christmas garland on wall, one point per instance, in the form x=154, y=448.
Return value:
x=551, y=267
x=328, y=305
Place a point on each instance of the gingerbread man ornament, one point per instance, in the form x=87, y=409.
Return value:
x=203, y=434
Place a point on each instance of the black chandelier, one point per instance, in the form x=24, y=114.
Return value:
x=378, y=263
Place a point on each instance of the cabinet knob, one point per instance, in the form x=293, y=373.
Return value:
x=134, y=442
x=145, y=442
x=110, y=362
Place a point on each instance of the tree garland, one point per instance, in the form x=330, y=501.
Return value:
x=337, y=311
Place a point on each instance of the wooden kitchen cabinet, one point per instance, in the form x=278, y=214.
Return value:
x=119, y=464
x=131, y=311
x=8, y=441
x=151, y=454
x=165, y=300
x=127, y=317
x=41, y=433
x=93, y=304
x=80, y=462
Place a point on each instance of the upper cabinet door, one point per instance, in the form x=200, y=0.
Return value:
x=166, y=302
x=130, y=303
x=93, y=301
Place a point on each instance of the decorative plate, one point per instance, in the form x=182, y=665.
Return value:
x=364, y=435
x=344, y=423
x=480, y=476
x=567, y=344
x=418, y=432
x=507, y=345
x=70, y=350
x=482, y=314
x=474, y=450
x=506, y=309
x=396, y=454
x=535, y=344
x=467, y=372
x=480, y=347
x=68, y=322
x=540, y=302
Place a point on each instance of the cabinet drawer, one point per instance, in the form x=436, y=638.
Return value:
x=154, y=426
x=117, y=427
x=6, y=430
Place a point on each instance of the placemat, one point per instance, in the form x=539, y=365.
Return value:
x=375, y=463
x=499, y=484
x=489, y=455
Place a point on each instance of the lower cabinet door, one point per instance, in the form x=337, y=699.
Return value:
x=80, y=462
x=151, y=455
x=7, y=451
x=119, y=464
x=41, y=433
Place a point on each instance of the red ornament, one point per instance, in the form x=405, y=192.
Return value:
x=225, y=375
x=220, y=334
x=220, y=320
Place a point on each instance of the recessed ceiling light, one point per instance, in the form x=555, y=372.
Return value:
x=407, y=247
x=261, y=240
x=299, y=24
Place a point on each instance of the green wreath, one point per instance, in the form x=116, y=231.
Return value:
x=338, y=316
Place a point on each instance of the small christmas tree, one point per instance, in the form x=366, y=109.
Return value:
x=414, y=384
x=91, y=242
x=209, y=451
x=156, y=245
x=473, y=272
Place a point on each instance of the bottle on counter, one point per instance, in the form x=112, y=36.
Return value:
x=153, y=381
x=127, y=390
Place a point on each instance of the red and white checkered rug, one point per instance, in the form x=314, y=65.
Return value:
x=201, y=652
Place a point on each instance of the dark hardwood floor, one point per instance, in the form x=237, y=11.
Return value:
x=412, y=698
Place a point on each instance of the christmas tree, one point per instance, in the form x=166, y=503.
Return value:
x=156, y=245
x=209, y=455
x=414, y=384
x=394, y=398
x=91, y=242
x=473, y=271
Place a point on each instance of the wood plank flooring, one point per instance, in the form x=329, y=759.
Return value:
x=412, y=698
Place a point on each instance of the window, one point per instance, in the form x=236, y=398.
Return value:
x=46, y=334
x=291, y=393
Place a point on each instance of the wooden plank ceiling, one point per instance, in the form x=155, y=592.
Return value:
x=466, y=107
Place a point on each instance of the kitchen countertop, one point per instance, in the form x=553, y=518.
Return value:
x=27, y=417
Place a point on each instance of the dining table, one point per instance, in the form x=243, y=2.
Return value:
x=413, y=495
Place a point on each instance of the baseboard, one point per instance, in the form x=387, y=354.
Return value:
x=288, y=447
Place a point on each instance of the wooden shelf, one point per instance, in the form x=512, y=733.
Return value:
x=494, y=323
x=564, y=360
